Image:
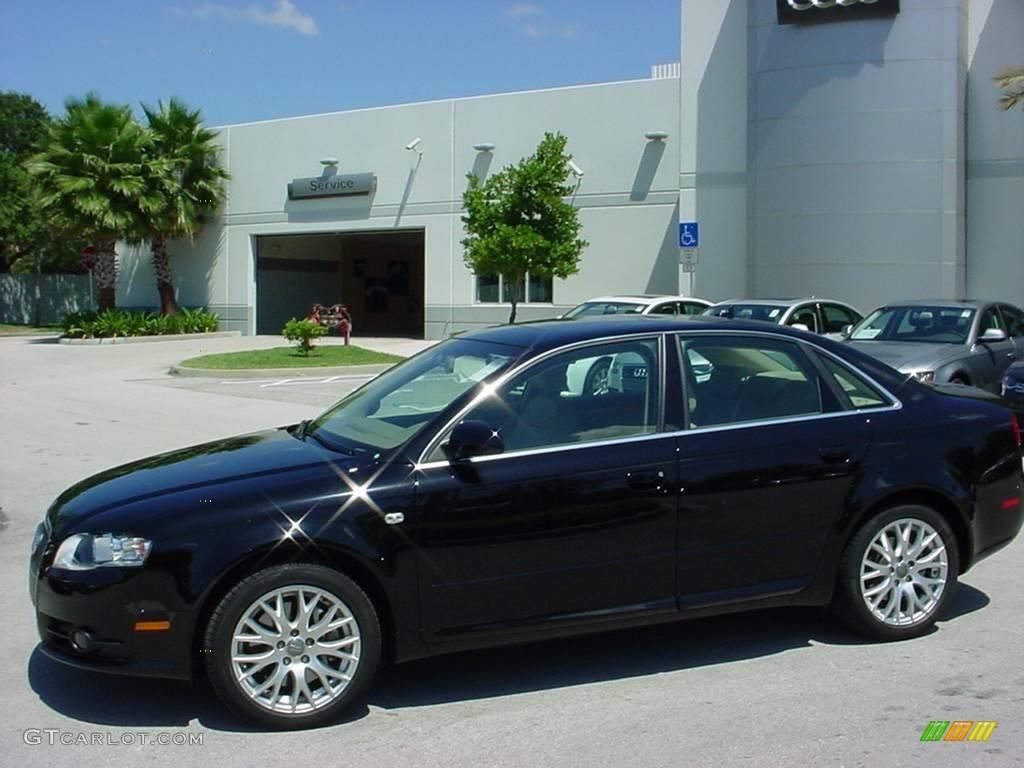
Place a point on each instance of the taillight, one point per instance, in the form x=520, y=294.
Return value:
x=1015, y=427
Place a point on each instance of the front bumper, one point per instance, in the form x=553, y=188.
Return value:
x=105, y=604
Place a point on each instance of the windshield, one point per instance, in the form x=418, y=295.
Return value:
x=395, y=406
x=771, y=313
x=591, y=308
x=931, y=325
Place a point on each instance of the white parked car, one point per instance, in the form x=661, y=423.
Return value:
x=640, y=304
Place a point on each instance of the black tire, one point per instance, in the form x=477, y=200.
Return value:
x=852, y=605
x=242, y=600
x=596, y=381
x=960, y=378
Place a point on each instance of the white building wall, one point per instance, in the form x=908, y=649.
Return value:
x=627, y=196
x=856, y=154
x=995, y=155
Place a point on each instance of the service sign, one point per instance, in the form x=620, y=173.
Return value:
x=337, y=185
x=823, y=11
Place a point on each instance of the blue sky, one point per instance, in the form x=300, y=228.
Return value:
x=245, y=60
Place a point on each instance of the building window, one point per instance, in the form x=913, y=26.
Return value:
x=537, y=290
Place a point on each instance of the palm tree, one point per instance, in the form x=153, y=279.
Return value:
x=193, y=185
x=1011, y=82
x=97, y=173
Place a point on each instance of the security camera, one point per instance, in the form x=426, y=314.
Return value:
x=576, y=170
x=413, y=144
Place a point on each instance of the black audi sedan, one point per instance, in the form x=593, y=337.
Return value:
x=470, y=497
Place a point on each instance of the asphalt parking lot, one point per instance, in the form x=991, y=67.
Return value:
x=772, y=688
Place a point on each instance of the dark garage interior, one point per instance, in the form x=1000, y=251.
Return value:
x=378, y=276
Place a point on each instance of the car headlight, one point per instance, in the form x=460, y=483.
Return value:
x=85, y=551
x=923, y=375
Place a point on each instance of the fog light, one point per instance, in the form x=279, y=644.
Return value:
x=83, y=641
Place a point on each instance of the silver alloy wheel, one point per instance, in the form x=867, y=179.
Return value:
x=295, y=649
x=904, y=572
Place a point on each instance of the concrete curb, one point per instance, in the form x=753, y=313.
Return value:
x=280, y=373
x=145, y=339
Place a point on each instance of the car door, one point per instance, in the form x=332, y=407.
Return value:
x=766, y=463
x=574, y=520
x=990, y=359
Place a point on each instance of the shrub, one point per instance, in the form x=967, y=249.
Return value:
x=303, y=332
x=120, y=322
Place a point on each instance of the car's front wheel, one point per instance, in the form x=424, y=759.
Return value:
x=292, y=645
x=898, y=573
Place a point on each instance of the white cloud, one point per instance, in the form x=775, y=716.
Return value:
x=523, y=9
x=282, y=14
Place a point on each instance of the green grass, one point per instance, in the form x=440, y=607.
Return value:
x=9, y=329
x=289, y=357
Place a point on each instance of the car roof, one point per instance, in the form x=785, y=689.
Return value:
x=643, y=298
x=958, y=303
x=779, y=302
x=548, y=334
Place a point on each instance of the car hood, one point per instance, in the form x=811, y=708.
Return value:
x=911, y=355
x=260, y=454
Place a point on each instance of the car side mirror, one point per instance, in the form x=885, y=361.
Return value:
x=846, y=330
x=799, y=326
x=992, y=335
x=472, y=438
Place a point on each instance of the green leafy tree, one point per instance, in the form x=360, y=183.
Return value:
x=193, y=185
x=303, y=333
x=99, y=174
x=30, y=241
x=518, y=221
x=1011, y=82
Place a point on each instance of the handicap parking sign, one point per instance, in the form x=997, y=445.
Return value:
x=689, y=234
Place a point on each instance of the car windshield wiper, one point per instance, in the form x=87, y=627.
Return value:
x=330, y=444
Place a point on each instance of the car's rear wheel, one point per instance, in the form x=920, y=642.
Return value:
x=596, y=382
x=960, y=378
x=293, y=645
x=898, y=573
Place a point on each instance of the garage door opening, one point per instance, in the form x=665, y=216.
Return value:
x=377, y=275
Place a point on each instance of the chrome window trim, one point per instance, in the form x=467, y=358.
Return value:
x=895, y=403
x=658, y=435
x=656, y=336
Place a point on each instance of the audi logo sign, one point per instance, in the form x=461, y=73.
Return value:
x=820, y=11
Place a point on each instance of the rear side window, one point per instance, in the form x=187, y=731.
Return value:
x=857, y=391
x=730, y=381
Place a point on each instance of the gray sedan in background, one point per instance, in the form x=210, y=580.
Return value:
x=963, y=342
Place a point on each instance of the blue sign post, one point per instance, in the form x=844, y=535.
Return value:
x=689, y=234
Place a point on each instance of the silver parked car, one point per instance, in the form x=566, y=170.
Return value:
x=964, y=342
x=824, y=316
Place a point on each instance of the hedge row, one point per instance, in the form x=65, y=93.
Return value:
x=120, y=322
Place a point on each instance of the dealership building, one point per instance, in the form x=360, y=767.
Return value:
x=843, y=148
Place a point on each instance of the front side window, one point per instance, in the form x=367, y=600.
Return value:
x=395, y=406
x=837, y=317
x=598, y=392
x=492, y=289
x=991, y=319
x=1014, y=320
x=750, y=380
x=805, y=316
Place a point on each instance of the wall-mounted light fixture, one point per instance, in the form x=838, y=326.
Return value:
x=484, y=146
x=328, y=161
x=576, y=170
x=656, y=135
